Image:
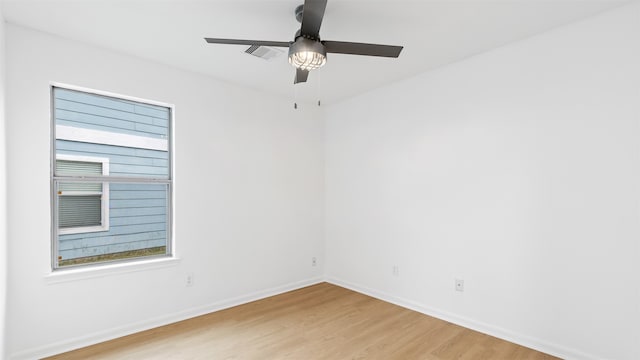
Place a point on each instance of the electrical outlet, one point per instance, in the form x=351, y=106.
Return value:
x=314, y=261
x=459, y=285
x=396, y=270
x=189, y=280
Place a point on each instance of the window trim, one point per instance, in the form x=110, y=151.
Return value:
x=104, y=196
x=171, y=251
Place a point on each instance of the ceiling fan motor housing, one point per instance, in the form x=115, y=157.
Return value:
x=298, y=12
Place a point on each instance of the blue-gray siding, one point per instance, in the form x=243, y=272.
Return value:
x=89, y=111
x=137, y=211
x=123, y=161
x=138, y=220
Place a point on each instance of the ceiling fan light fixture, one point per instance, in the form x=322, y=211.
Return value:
x=307, y=60
x=307, y=54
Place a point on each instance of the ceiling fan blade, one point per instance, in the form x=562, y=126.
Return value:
x=301, y=76
x=342, y=47
x=248, y=42
x=312, y=14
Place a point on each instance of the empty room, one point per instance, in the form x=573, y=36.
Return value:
x=311, y=179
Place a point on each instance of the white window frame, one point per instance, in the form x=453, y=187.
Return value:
x=104, y=196
x=82, y=271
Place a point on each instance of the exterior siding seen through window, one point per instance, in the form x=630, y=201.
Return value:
x=134, y=138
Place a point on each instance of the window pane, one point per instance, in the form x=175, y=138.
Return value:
x=138, y=227
x=133, y=135
x=76, y=211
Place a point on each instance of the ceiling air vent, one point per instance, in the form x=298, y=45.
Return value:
x=264, y=52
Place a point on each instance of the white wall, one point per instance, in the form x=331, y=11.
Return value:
x=516, y=170
x=248, y=210
x=3, y=195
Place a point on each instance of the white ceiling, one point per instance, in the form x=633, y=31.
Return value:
x=433, y=33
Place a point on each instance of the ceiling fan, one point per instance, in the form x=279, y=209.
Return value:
x=307, y=52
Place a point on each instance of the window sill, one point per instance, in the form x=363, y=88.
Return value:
x=75, y=274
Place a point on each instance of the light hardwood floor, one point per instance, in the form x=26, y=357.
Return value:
x=322, y=321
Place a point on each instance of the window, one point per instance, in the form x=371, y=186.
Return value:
x=111, y=178
x=82, y=207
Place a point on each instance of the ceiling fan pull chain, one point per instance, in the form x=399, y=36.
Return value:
x=318, y=85
x=295, y=97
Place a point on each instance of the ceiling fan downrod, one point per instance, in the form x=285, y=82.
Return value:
x=298, y=12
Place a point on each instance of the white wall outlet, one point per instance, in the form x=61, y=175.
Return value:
x=189, y=279
x=314, y=261
x=459, y=285
x=395, y=270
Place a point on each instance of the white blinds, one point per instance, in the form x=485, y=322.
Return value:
x=78, y=168
x=79, y=203
x=74, y=211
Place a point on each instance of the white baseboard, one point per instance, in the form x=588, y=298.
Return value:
x=98, y=337
x=110, y=334
x=520, y=339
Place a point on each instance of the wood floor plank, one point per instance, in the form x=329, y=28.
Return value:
x=319, y=322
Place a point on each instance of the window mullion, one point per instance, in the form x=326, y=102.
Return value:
x=113, y=179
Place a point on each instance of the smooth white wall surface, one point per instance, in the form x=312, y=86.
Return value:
x=3, y=195
x=248, y=198
x=516, y=170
